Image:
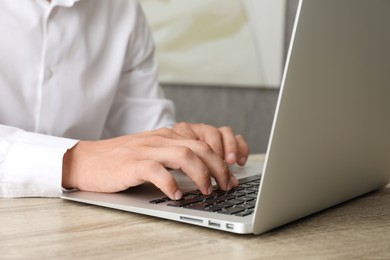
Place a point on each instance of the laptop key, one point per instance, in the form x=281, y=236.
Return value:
x=231, y=211
x=254, y=178
x=247, y=206
x=214, y=208
x=238, y=200
x=195, y=192
x=182, y=203
x=252, y=195
x=244, y=213
x=245, y=199
x=197, y=206
x=246, y=185
x=239, y=194
x=224, y=198
x=157, y=201
x=228, y=204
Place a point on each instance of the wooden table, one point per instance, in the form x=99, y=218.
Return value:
x=41, y=228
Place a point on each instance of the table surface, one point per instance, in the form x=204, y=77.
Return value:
x=41, y=228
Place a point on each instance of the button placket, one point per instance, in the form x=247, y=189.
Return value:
x=52, y=44
x=48, y=73
x=50, y=40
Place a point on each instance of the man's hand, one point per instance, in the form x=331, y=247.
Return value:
x=116, y=164
x=232, y=148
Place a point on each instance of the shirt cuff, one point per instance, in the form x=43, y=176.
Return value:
x=33, y=167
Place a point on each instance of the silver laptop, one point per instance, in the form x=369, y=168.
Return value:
x=330, y=140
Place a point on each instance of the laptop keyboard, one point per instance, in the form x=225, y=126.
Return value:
x=240, y=201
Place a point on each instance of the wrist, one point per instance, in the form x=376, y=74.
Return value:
x=69, y=180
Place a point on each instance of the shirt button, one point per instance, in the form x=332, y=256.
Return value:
x=48, y=73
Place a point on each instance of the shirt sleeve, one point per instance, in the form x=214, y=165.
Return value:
x=139, y=104
x=30, y=163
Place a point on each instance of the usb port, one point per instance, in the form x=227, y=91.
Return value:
x=214, y=224
x=229, y=226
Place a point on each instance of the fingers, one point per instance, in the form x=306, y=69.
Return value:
x=115, y=164
x=204, y=132
x=230, y=145
x=218, y=169
x=243, y=149
x=212, y=137
x=154, y=172
x=236, y=149
x=233, y=148
x=196, y=158
x=182, y=157
x=185, y=129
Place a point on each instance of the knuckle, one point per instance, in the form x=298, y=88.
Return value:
x=204, y=147
x=156, y=139
x=240, y=138
x=226, y=129
x=149, y=166
x=165, y=131
x=211, y=129
x=183, y=124
x=184, y=153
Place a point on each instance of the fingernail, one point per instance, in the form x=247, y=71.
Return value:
x=210, y=190
x=231, y=158
x=242, y=160
x=178, y=195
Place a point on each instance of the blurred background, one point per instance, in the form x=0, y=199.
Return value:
x=221, y=61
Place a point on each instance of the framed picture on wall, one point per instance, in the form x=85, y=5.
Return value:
x=218, y=42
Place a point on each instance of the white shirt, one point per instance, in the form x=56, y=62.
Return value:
x=71, y=70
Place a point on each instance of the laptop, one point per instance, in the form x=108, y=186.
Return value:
x=330, y=139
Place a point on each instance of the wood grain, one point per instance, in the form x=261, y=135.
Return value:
x=41, y=228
